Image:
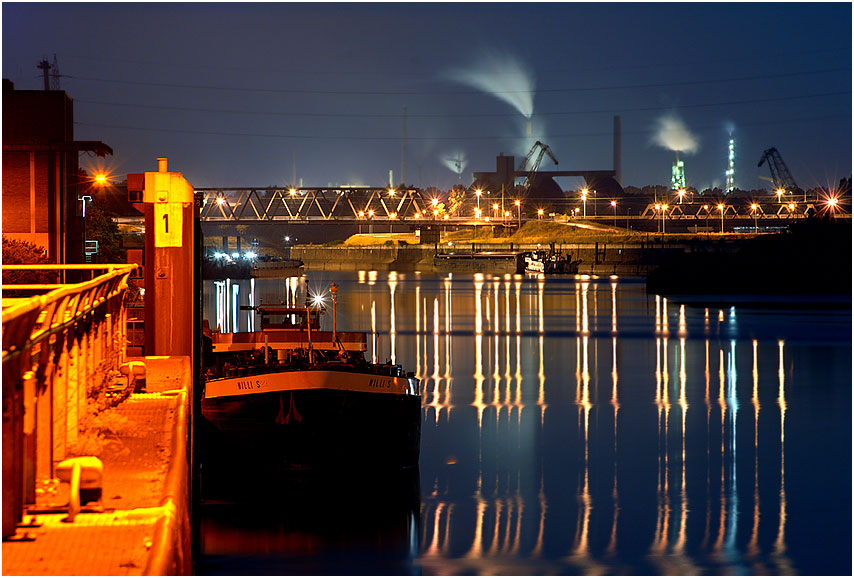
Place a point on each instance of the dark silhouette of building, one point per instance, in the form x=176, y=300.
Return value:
x=40, y=171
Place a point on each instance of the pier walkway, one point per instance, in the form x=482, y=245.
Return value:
x=143, y=528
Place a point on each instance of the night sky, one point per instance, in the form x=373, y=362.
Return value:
x=242, y=94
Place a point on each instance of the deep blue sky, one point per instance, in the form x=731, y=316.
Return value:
x=234, y=93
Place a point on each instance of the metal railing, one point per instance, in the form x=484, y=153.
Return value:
x=58, y=346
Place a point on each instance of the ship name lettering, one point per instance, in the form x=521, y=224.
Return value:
x=379, y=383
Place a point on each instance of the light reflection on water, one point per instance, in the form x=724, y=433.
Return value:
x=581, y=426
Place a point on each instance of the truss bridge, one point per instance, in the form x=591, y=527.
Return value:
x=310, y=204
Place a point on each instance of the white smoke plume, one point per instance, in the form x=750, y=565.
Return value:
x=456, y=162
x=672, y=134
x=504, y=77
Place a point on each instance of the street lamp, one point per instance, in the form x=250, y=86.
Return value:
x=478, y=192
x=791, y=209
x=780, y=195
x=584, y=200
x=681, y=194
x=539, y=214
x=753, y=208
x=518, y=204
x=614, y=205
x=721, y=209
x=495, y=209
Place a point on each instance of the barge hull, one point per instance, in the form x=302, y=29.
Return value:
x=312, y=429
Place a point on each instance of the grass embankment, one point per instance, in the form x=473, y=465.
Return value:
x=539, y=232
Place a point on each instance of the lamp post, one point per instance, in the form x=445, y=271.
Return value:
x=663, y=217
x=584, y=200
x=539, y=214
x=681, y=194
x=721, y=209
x=495, y=209
x=614, y=206
x=791, y=210
x=779, y=195
x=518, y=204
x=753, y=208
x=478, y=192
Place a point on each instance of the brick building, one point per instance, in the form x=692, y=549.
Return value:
x=40, y=171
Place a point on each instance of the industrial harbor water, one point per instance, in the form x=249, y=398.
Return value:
x=571, y=425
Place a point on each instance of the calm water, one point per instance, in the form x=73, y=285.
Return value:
x=571, y=426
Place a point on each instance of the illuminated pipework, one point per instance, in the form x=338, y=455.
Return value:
x=730, y=170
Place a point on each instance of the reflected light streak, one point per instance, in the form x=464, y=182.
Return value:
x=613, y=307
x=541, y=376
x=541, y=285
x=374, y=331
x=784, y=564
x=251, y=314
x=392, y=286
x=753, y=544
x=507, y=305
x=518, y=286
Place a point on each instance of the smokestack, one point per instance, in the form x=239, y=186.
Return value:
x=161, y=166
x=403, y=152
x=618, y=147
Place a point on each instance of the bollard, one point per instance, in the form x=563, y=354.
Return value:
x=85, y=476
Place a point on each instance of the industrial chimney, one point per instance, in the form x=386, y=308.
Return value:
x=618, y=146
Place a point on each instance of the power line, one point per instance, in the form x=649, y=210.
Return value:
x=351, y=92
x=459, y=115
x=453, y=138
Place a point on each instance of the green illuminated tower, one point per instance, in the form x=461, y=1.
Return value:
x=730, y=168
x=677, y=180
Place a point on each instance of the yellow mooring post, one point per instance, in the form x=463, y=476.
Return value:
x=167, y=203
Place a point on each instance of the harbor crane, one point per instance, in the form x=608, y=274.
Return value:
x=544, y=150
x=780, y=175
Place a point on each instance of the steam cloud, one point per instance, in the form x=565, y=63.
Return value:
x=672, y=134
x=456, y=162
x=502, y=76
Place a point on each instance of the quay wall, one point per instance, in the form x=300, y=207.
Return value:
x=171, y=551
x=636, y=259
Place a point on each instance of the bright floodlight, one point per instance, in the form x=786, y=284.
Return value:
x=613, y=203
x=832, y=201
x=791, y=206
x=657, y=206
x=371, y=213
x=293, y=192
x=235, y=255
x=517, y=202
x=317, y=300
x=540, y=212
x=435, y=202
x=478, y=192
x=220, y=200
x=720, y=208
x=101, y=179
x=219, y=255
x=391, y=192
x=754, y=206
x=250, y=255
x=287, y=239
x=361, y=213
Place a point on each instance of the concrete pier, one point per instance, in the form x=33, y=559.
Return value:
x=144, y=528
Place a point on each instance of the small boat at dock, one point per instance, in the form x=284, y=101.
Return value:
x=293, y=397
x=551, y=262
